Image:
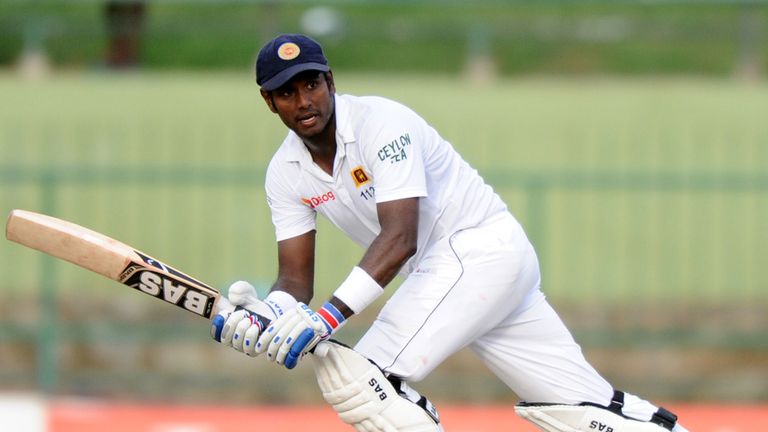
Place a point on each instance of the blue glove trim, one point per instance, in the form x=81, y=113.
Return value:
x=217, y=325
x=292, y=359
x=333, y=310
x=331, y=316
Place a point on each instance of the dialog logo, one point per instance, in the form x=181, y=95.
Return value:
x=315, y=201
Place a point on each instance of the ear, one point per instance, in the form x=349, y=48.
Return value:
x=267, y=96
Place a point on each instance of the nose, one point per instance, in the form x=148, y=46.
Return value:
x=303, y=99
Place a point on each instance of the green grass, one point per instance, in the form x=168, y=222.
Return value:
x=642, y=191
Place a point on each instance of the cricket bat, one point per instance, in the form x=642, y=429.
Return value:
x=115, y=260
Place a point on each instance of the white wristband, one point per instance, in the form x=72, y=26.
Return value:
x=358, y=290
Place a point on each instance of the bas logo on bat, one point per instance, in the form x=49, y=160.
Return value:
x=168, y=284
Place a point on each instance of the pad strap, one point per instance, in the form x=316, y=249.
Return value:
x=405, y=391
x=664, y=418
x=661, y=417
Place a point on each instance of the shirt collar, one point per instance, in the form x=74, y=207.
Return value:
x=344, y=128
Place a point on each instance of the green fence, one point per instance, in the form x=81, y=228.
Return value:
x=646, y=201
x=714, y=38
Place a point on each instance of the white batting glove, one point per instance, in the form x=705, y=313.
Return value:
x=294, y=334
x=240, y=329
x=244, y=319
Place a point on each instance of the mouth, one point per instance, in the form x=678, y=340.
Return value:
x=309, y=120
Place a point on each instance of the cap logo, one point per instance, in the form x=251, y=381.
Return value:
x=288, y=51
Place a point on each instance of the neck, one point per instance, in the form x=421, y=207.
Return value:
x=322, y=146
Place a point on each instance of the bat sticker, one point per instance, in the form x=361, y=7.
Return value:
x=166, y=268
x=171, y=289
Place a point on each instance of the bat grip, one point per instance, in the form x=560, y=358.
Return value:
x=262, y=321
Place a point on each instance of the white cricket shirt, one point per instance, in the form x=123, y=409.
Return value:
x=385, y=152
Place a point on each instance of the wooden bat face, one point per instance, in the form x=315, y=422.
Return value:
x=113, y=259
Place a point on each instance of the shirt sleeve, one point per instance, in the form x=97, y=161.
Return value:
x=393, y=149
x=290, y=216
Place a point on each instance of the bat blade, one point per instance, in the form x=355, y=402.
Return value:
x=111, y=258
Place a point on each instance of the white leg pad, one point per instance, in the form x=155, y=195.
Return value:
x=580, y=418
x=362, y=396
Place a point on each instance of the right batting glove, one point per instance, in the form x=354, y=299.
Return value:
x=294, y=334
x=241, y=328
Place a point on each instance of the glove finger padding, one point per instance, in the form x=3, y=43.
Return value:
x=292, y=335
x=282, y=336
x=361, y=394
x=290, y=340
x=230, y=325
x=249, y=340
x=238, y=339
x=270, y=339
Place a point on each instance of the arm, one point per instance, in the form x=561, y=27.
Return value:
x=297, y=332
x=399, y=220
x=396, y=242
x=296, y=266
x=296, y=263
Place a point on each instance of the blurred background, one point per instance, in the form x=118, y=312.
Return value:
x=629, y=137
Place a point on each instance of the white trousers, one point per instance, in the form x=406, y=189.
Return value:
x=480, y=288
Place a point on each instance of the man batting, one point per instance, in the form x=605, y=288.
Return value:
x=390, y=182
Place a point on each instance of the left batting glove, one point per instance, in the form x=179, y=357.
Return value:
x=294, y=334
x=241, y=328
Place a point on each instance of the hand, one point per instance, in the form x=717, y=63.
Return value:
x=293, y=335
x=241, y=327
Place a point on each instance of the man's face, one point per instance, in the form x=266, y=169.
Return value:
x=305, y=103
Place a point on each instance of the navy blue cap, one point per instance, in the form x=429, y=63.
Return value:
x=285, y=56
